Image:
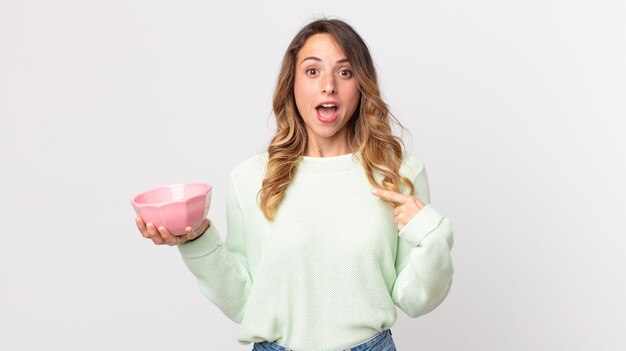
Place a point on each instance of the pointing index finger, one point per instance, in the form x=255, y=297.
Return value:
x=389, y=195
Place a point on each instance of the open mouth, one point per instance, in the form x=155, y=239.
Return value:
x=327, y=111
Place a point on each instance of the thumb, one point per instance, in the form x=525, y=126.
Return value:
x=192, y=233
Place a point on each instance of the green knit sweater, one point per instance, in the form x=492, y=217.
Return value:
x=330, y=268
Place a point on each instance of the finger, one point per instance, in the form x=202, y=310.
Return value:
x=193, y=233
x=403, y=219
x=141, y=226
x=167, y=236
x=416, y=201
x=398, y=210
x=396, y=220
x=190, y=233
x=187, y=236
x=389, y=195
x=151, y=230
x=153, y=234
x=400, y=222
x=140, y=223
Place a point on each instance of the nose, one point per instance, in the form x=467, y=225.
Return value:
x=328, y=84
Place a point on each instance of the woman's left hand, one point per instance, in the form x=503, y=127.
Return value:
x=408, y=207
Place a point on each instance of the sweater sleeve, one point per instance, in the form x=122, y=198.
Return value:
x=423, y=262
x=221, y=268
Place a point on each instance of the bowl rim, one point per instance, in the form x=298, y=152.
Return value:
x=133, y=201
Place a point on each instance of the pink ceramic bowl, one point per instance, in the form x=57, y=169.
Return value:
x=174, y=206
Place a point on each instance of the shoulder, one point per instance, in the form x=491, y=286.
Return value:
x=411, y=166
x=252, y=167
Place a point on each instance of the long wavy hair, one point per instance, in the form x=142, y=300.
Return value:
x=369, y=128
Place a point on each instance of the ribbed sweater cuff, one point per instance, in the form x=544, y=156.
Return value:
x=203, y=245
x=421, y=225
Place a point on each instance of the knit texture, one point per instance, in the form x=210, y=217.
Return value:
x=328, y=271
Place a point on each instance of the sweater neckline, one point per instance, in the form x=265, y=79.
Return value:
x=331, y=164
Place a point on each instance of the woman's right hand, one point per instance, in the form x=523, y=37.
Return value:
x=161, y=236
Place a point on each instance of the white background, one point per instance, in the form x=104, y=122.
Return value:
x=517, y=108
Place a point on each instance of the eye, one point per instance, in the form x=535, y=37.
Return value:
x=311, y=71
x=345, y=73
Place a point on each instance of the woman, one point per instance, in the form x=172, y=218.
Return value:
x=311, y=260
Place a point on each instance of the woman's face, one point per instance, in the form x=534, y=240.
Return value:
x=326, y=92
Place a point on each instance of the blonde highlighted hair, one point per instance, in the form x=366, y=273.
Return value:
x=369, y=129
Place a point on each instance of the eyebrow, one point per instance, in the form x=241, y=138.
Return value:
x=318, y=59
